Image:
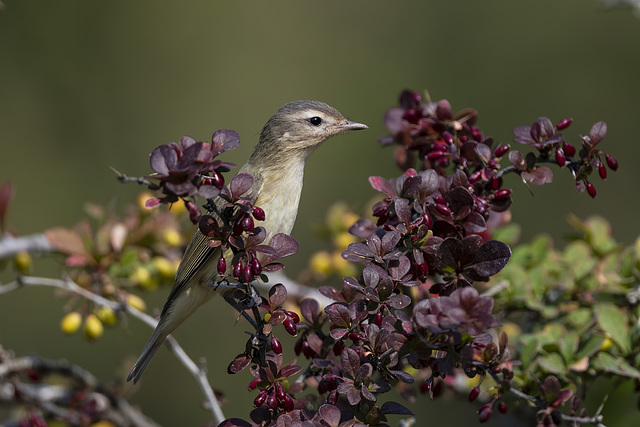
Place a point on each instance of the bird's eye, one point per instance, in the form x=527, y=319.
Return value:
x=316, y=121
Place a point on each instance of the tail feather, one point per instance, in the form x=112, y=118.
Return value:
x=149, y=351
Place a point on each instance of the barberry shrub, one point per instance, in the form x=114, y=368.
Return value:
x=434, y=299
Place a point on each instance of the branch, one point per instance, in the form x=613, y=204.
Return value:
x=137, y=179
x=172, y=343
x=35, y=243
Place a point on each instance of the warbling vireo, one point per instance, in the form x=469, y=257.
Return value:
x=277, y=167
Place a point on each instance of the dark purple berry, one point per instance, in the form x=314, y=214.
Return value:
x=247, y=275
x=237, y=269
x=280, y=394
x=307, y=350
x=222, y=266
x=290, y=327
x=253, y=384
x=276, y=346
x=259, y=400
x=272, y=401
x=569, y=150
x=485, y=412
x=611, y=162
x=448, y=138
x=435, y=155
x=247, y=224
x=287, y=403
x=602, y=170
x=443, y=209
x=503, y=408
x=474, y=393
x=217, y=180
x=258, y=213
x=502, y=150
x=560, y=157
x=476, y=134
x=256, y=267
x=338, y=347
x=294, y=316
x=502, y=194
x=475, y=176
x=591, y=190
x=297, y=348
x=378, y=319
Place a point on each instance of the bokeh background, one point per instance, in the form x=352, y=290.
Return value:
x=88, y=85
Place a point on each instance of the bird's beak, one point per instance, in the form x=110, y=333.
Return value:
x=349, y=125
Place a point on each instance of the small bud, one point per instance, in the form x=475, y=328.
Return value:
x=485, y=412
x=260, y=399
x=502, y=194
x=290, y=327
x=237, y=269
x=416, y=97
x=560, y=157
x=93, y=328
x=443, y=209
x=287, y=403
x=258, y=213
x=611, y=162
x=569, y=149
x=253, y=384
x=247, y=275
x=502, y=150
x=433, y=155
x=272, y=401
x=247, y=224
x=503, y=408
x=256, y=267
x=474, y=393
x=591, y=190
x=71, y=322
x=338, y=347
x=276, y=346
x=602, y=170
x=563, y=124
x=222, y=266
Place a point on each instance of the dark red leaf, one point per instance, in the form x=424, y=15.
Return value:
x=224, y=140
x=382, y=185
x=284, y=245
x=330, y=414
x=394, y=408
x=350, y=362
x=239, y=364
x=597, y=132
x=277, y=295
x=163, y=159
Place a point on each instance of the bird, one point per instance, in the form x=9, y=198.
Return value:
x=277, y=164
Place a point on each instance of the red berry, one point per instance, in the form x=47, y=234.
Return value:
x=602, y=170
x=378, y=319
x=217, y=180
x=474, y=393
x=423, y=268
x=280, y=394
x=448, y=138
x=427, y=220
x=287, y=403
x=439, y=200
x=424, y=387
x=612, y=162
x=502, y=150
x=494, y=183
x=276, y=346
x=259, y=400
x=476, y=134
x=333, y=397
x=443, y=209
x=591, y=190
x=502, y=194
x=253, y=384
x=297, y=348
x=222, y=266
x=290, y=327
x=307, y=350
x=272, y=401
x=560, y=157
x=294, y=316
x=475, y=176
x=436, y=154
x=247, y=224
x=258, y=213
x=237, y=269
x=569, y=149
x=503, y=408
x=247, y=274
x=338, y=347
x=485, y=412
x=563, y=124
x=256, y=267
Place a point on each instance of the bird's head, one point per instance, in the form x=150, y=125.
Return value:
x=301, y=126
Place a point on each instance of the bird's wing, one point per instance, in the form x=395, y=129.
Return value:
x=199, y=253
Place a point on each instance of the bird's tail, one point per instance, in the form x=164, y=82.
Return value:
x=149, y=351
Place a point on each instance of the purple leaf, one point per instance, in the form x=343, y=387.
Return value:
x=284, y=245
x=240, y=184
x=239, y=364
x=224, y=140
x=163, y=159
x=289, y=370
x=208, y=191
x=597, y=132
x=331, y=293
x=350, y=362
x=310, y=310
x=330, y=414
x=382, y=185
x=490, y=259
x=338, y=314
x=277, y=295
x=394, y=408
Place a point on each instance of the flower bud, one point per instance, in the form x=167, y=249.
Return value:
x=222, y=266
x=591, y=190
x=71, y=322
x=276, y=346
x=258, y=213
x=602, y=170
x=563, y=124
x=611, y=162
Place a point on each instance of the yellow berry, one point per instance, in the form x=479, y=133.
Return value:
x=103, y=423
x=606, y=344
x=172, y=237
x=320, y=263
x=267, y=317
x=343, y=240
x=23, y=262
x=93, y=328
x=136, y=302
x=142, y=198
x=106, y=315
x=165, y=267
x=71, y=322
x=141, y=276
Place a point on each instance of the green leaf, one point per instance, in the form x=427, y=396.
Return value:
x=591, y=347
x=580, y=317
x=614, y=322
x=569, y=346
x=529, y=351
x=552, y=363
x=617, y=365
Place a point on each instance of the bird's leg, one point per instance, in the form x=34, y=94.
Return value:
x=228, y=297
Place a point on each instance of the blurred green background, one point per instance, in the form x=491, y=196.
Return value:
x=87, y=85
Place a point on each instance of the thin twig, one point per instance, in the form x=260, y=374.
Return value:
x=172, y=343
